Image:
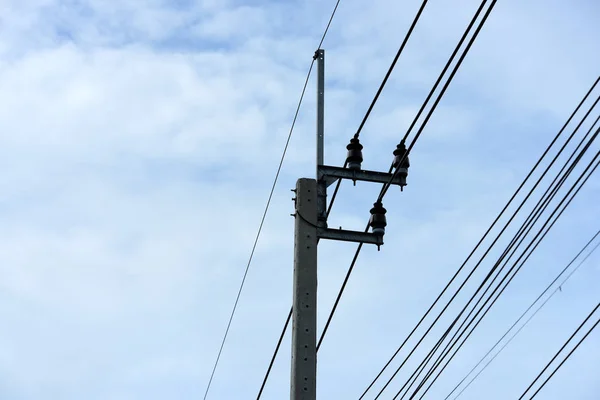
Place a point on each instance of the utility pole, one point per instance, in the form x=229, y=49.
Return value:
x=310, y=226
x=304, y=327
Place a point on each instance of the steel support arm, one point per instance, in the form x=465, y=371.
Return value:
x=350, y=236
x=331, y=174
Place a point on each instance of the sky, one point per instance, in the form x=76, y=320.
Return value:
x=138, y=144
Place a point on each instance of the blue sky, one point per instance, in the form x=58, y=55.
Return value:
x=138, y=142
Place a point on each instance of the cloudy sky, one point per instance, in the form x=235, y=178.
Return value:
x=138, y=143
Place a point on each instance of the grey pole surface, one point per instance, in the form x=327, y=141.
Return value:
x=322, y=188
x=304, y=322
x=320, y=106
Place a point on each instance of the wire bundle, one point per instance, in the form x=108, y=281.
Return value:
x=544, y=292
x=560, y=351
x=489, y=291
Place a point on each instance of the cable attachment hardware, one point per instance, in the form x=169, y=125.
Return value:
x=355, y=157
x=378, y=222
x=401, y=163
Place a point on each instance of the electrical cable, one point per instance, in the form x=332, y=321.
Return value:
x=258, y=234
x=360, y=245
x=444, y=88
x=556, y=187
x=267, y=206
x=392, y=66
x=539, y=161
x=422, y=365
x=560, y=351
x=483, y=238
x=281, y=336
x=378, y=93
x=440, y=95
x=551, y=185
x=439, y=98
x=565, y=359
x=450, y=345
x=540, y=210
x=532, y=219
x=339, y=296
x=558, y=287
x=520, y=231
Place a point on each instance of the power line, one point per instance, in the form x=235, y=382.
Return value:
x=524, y=314
x=378, y=93
x=281, y=336
x=450, y=344
x=540, y=207
x=337, y=3
x=339, y=296
x=262, y=221
x=392, y=66
x=481, y=241
x=259, y=231
x=565, y=359
x=439, y=98
x=445, y=69
x=531, y=220
x=560, y=351
x=552, y=185
x=382, y=193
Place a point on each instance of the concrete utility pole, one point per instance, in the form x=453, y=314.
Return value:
x=304, y=330
x=311, y=225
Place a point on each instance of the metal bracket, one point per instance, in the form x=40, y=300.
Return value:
x=331, y=174
x=350, y=236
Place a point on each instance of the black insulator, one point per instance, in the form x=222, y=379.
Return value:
x=401, y=163
x=378, y=221
x=400, y=153
x=354, y=158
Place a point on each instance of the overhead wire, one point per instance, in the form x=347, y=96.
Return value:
x=532, y=219
x=458, y=336
x=552, y=185
x=517, y=191
x=534, y=168
x=426, y=101
x=392, y=66
x=262, y=221
x=257, y=235
x=565, y=359
x=378, y=93
x=454, y=339
x=560, y=351
x=536, y=311
x=274, y=356
x=438, y=99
